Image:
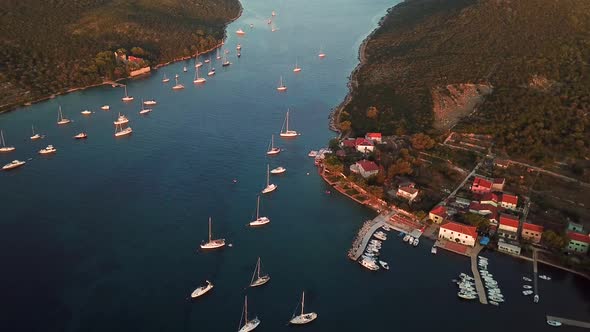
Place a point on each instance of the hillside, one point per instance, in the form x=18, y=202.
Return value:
x=533, y=55
x=50, y=46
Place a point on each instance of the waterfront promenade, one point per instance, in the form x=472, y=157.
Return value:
x=570, y=322
x=481, y=291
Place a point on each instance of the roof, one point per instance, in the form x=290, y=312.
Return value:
x=479, y=207
x=459, y=228
x=499, y=180
x=440, y=211
x=532, y=227
x=501, y=162
x=409, y=190
x=489, y=197
x=349, y=143
x=509, y=220
x=510, y=199
x=481, y=182
x=363, y=141
x=373, y=135
x=578, y=237
x=367, y=166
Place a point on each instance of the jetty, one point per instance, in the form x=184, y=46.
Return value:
x=535, y=273
x=365, y=233
x=481, y=291
x=570, y=322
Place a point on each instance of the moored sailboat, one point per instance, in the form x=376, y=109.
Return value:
x=260, y=221
x=5, y=148
x=257, y=278
x=278, y=170
x=177, y=86
x=212, y=244
x=165, y=79
x=126, y=97
x=272, y=149
x=270, y=187
x=282, y=87
x=285, y=132
x=297, y=68
x=303, y=318
x=198, y=80
x=202, y=290
x=144, y=110
x=249, y=325
x=120, y=131
x=60, y=117
x=35, y=136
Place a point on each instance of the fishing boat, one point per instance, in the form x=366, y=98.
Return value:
x=278, y=170
x=177, y=86
x=285, y=132
x=433, y=250
x=13, y=164
x=105, y=107
x=257, y=278
x=297, y=68
x=282, y=87
x=240, y=32
x=120, y=131
x=272, y=149
x=212, y=244
x=81, y=136
x=270, y=187
x=86, y=112
x=384, y=265
x=144, y=110
x=198, y=80
x=122, y=119
x=553, y=322
x=35, y=136
x=321, y=54
x=303, y=318
x=249, y=325
x=48, y=150
x=60, y=117
x=259, y=221
x=202, y=290
x=225, y=62
x=165, y=79
x=150, y=102
x=5, y=148
x=126, y=97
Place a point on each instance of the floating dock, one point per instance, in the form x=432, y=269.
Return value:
x=481, y=290
x=570, y=322
x=365, y=234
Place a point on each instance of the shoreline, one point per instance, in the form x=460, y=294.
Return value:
x=157, y=66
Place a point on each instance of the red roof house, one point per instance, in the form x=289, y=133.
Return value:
x=578, y=242
x=498, y=184
x=489, y=198
x=367, y=168
x=481, y=185
x=373, y=137
x=531, y=232
x=438, y=214
x=509, y=201
x=458, y=233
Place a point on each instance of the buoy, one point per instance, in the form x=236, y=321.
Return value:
x=307, y=173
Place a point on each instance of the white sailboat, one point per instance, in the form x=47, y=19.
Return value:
x=211, y=70
x=212, y=244
x=5, y=148
x=225, y=62
x=257, y=279
x=272, y=149
x=218, y=57
x=303, y=318
x=177, y=86
x=60, y=118
x=198, y=80
x=272, y=27
x=198, y=64
x=282, y=87
x=260, y=221
x=278, y=170
x=270, y=187
x=249, y=325
x=297, y=68
x=321, y=54
x=120, y=131
x=202, y=290
x=35, y=136
x=165, y=79
x=13, y=164
x=127, y=97
x=150, y=102
x=144, y=110
x=285, y=132
x=209, y=59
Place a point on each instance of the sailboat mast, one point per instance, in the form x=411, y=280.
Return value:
x=2, y=135
x=287, y=121
x=246, y=310
x=33, y=129
x=302, y=302
x=272, y=141
x=125, y=90
x=267, y=175
x=209, y=229
x=257, y=208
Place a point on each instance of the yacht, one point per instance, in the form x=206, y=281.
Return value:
x=406, y=238
x=165, y=79
x=120, y=131
x=13, y=164
x=285, y=132
x=86, y=112
x=384, y=265
x=527, y=286
x=278, y=170
x=240, y=32
x=5, y=148
x=303, y=318
x=260, y=221
x=297, y=68
x=553, y=322
x=272, y=149
x=60, y=118
x=198, y=80
x=257, y=279
x=466, y=296
x=150, y=102
x=411, y=240
x=105, y=107
x=212, y=244
x=202, y=290
x=49, y=149
x=270, y=187
x=177, y=86
x=369, y=264
x=122, y=119
x=536, y=298
x=144, y=110
x=127, y=97
x=35, y=136
x=249, y=325
x=81, y=136
x=544, y=277
x=282, y=87
x=527, y=279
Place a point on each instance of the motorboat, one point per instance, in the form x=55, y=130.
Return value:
x=122, y=119
x=527, y=292
x=60, y=118
x=416, y=241
x=270, y=187
x=86, y=112
x=120, y=131
x=527, y=286
x=386, y=228
x=384, y=265
x=259, y=221
x=536, y=298
x=544, y=277
x=466, y=296
x=527, y=279
x=272, y=149
x=257, y=278
x=105, y=107
x=212, y=243
x=553, y=322
x=494, y=303
x=239, y=47
x=406, y=238
x=380, y=236
x=4, y=147
x=184, y=69
x=202, y=290
x=13, y=164
x=433, y=250
x=249, y=325
x=303, y=318
x=48, y=150
x=240, y=32
x=312, y=154
x=150, y=102
x=369, y=264
x=81, y=136
x=411, y=240
x=278, y=170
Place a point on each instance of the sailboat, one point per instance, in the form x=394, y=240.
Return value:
x=122, y=119
x=5, y=148
x=272, y=150
x=202, y=290
x=218, y=57
x=60, y=118
x=127, y=97
x=198, y=64
x=270, y=187
x=278, y=170
x=225, y=62
x=259, y=220
x=35, y=136
x=257, y=279
x=249, y=325
x=143, y=109
x=208, y=60
x=285, y=132
x=165, y=79
x=198, y=80
x=211, y=70
x=177, y=86
x=272, y=27
x=303, y=318
x=212, y=244
x=297, y=68
x=119, y=131
x=321, y=54
x=282, y=87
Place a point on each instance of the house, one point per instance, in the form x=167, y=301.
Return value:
x=501, y=163
x=364, y=145
x=348, y=143
x=438, y=214
x=498, y=184
x=488, y=210
x=481, y=185
x=574, y=227
x=375, y=137
x=458, y=233
x=489, y=198
x=508, y=226
x=531, y=232
x=408, y=193
x=578, y=243
x=131, y=58
x=511, y=247
x=367, y=168
x=509, y=201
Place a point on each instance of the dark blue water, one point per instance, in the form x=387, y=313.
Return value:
x=103, y=236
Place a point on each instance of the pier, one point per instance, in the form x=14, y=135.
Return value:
x=535, y=274
x=481, y=291
x=570, y=322
x=365, y=233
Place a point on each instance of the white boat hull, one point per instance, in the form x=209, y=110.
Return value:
x=125, y=132
x=214, y=244
x=13, y=165
x=251, y=325
x=269, y=189
x=278, y=170
x=199, y=81
x=127, y=99
x=273, y=151
x=200, y=291
x=63, y=122
x=289, y=134
x=260, y=281
x=304, y=319
x=260, y=221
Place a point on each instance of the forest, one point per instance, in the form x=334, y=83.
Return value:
x=49, y=47
x=534, y=53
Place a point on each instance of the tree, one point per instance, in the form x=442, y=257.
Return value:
x=422, y=141
x=344, y=125
x=334, y=144
x=553, y=240
x=401, y=167
x=479, y=221
x=372, y=112
x=138, y=52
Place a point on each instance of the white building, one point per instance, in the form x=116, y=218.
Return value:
x=458, y=233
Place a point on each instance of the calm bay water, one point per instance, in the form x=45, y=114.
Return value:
x=103, y=236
